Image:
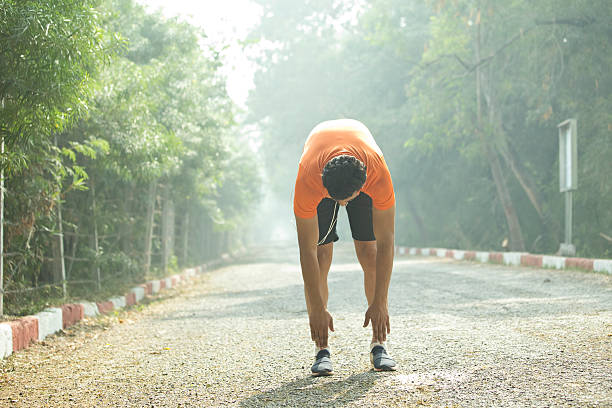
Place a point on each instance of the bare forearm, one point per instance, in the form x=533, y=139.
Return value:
x=384, y=266
x=311, y=276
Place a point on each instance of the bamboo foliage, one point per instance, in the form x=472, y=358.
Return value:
x=102, y=103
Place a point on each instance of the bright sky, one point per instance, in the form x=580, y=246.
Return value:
x=225, y=22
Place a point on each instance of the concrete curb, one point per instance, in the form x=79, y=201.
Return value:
x=513, y=258
x=49, y=321
x=6, y=340
x=25, y=331
x=90, y=309
x=20, y=333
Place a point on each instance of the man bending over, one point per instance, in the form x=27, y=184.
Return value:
x=341, y=165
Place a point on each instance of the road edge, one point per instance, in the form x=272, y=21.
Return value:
x=513, y=258
x=20, y=333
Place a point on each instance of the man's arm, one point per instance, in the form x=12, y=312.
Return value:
x=383, y=222
x=320, y=319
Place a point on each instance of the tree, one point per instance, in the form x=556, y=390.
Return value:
x=48, y=54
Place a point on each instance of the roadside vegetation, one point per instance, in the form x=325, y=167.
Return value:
x=464, y=98
x=122, y=159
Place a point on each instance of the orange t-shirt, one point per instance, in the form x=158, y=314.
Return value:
x=334, y=138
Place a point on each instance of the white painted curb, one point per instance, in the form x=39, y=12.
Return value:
x=45, y=320
x=482, y=256
x=603, y=265
x=50, y=321
x=139, y=292
x=155, y=286
x=512, y=258
x=557, y=262
x=6, y=340
x=90, y=309
x=118, y=302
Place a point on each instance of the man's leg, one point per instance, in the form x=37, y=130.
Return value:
x=360, y=217
x=366, y=253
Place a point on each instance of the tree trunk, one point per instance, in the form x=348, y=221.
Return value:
x=167, y=229
x=2, y=228
x=418, y=219
x=59, y=268
x=504, y=150
x=516, y=236
x=207, y=239
x=95, y=236
x=523, y=180
x=127, y=227
x=185, y=239
x=74, y=241
x=149, y=228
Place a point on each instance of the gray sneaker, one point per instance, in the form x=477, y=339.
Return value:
x=381, y=360
x=322, y=365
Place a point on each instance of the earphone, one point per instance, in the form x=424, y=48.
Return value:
x=331, y=225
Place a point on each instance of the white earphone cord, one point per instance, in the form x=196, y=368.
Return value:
x=331, y=225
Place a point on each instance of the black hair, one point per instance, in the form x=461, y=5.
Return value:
x=343, y=176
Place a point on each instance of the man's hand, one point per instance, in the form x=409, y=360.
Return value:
x=320, y=321
x=378, y=314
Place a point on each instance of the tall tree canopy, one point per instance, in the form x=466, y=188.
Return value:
x=464, y=98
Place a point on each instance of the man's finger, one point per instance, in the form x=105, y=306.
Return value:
x=388, y=326
x=366, y=321
x=331, y=324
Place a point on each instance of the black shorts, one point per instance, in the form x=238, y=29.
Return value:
x=359, y=212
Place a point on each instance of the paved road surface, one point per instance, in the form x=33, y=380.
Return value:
x=465, y=335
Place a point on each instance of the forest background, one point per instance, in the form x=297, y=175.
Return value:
x=464, y=98
x=124, y=158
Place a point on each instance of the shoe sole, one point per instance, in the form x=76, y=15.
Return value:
x=384, y=369
x=381, y=369
x=323, y=374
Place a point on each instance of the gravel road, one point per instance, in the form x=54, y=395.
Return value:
x=464, y=334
